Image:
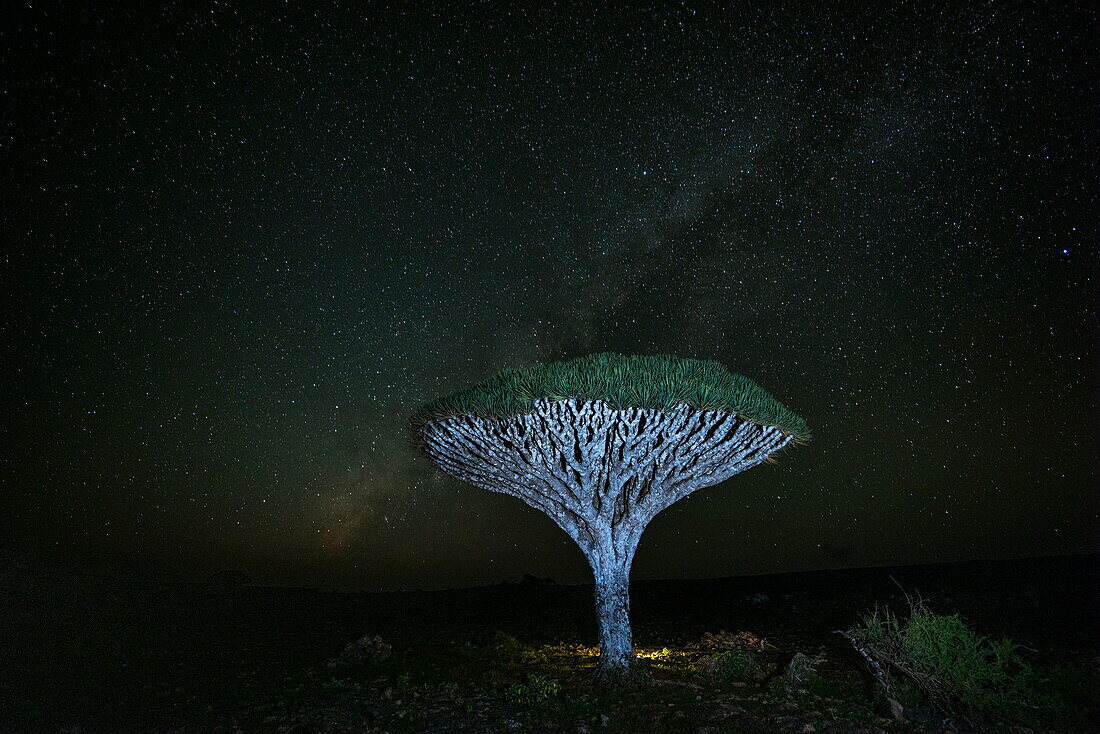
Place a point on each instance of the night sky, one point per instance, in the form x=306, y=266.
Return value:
x=243, y=243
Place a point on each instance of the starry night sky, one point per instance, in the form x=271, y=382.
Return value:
x=248, y=241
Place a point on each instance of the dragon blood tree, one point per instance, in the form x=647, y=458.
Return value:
x=602, y=444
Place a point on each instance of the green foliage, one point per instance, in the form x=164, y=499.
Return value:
x=939, y=659
x=732, y=665
x=802, y=672
x=507, y=648
x=582, y=704
x=538, y=689
x=661, y=382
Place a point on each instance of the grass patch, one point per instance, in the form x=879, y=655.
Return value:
x=731, y=666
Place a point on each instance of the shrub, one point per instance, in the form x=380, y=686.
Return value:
x=941, y=661
x=506, y=647
x=536, y=690
x=732, y=665
x=802, y=672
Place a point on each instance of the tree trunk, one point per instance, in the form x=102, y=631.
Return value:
x=611, y=567
x=613, y=609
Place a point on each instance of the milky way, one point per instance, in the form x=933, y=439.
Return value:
x=248, y=242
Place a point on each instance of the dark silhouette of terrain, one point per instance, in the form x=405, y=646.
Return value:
x=102, y=654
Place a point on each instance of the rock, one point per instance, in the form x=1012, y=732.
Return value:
x=367, y=649
x=724, y=640
x=892, y=710
x=924, y=716
x=966, y=726
x=707, y=730
x=716, y=711
x=852, y=729
x=658, y=683
x=793, y=724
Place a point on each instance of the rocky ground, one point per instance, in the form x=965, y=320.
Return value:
x=88, y=654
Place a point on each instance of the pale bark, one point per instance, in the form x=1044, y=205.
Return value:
x=601, y=474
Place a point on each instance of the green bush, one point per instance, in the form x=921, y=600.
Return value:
x=506, y=647
x=536, y=690
x=732, y=665
x=941, y=661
